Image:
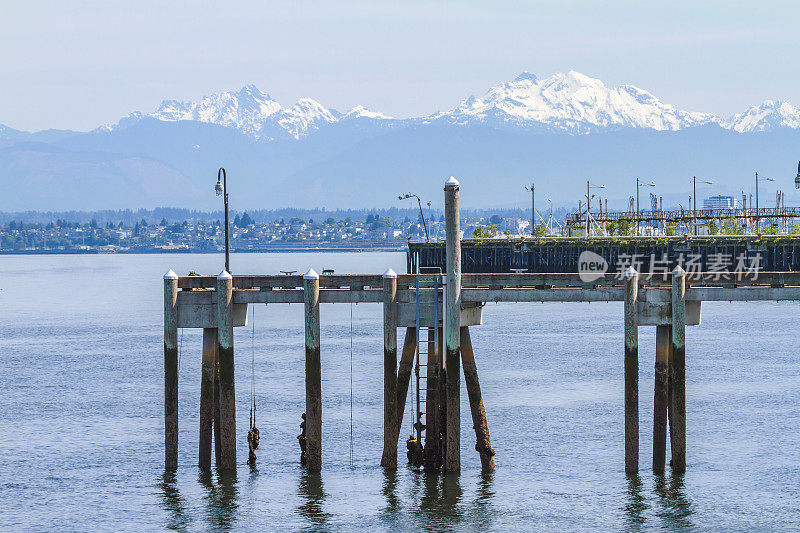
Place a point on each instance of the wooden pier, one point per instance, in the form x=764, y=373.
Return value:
x=669, y=302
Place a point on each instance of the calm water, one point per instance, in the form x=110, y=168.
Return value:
x=82, y=404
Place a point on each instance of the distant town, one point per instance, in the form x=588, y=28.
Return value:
x=180, y=230
x=122, y=232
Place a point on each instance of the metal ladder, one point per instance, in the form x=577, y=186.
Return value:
x=428, y=306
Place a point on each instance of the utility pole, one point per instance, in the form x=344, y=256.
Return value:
x=758, y=216
x=651, y=184
x=532, y=188
x=694, y=197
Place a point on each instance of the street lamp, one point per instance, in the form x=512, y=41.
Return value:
x=588, y=202
x=638, y=185
x=694, y=200
x=222, y=190
x=419, y=203
x=550, y=218
x=532, y=188
x=758, y=218
x=797, y=178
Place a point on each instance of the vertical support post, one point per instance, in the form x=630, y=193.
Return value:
x=482, y=442
x=390, y=409
x=404, y=376
x=661, y=397
x=207, y=394
x=313, y=372
x=678, y=372
x=170, y=370
x=215, y=407
x=433, y=449
x=631, y=372
x=227, y=389
x=452, y=453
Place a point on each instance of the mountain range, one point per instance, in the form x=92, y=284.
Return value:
x=557, y=130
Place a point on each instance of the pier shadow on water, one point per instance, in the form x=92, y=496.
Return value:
x=677, y=509
x=635, y=505
x=222, y=496
x=439, y=497
x=173, y=503
x=312, y=493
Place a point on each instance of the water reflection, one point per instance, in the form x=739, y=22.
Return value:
x=313, y=494
x=677, y=509
x=222, y=497
x=441, y=496
x=483, y=501
x=173, y=503
x=635, y=505
x=390, y=513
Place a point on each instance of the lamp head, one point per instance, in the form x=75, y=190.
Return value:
x=797, y=179
x=218, y=187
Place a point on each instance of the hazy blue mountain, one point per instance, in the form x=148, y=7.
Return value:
x=558, y=132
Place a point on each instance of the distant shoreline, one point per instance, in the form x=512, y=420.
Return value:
x=281, y=249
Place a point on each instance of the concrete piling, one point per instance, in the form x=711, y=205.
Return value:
x=452, y=452
x=227, y=389
x=482, y=442
x=207, y=394
x=631, y=372
x=677, y=376
x=390, y=406
x=170, y=370
x=313, y=372
x=661, y=397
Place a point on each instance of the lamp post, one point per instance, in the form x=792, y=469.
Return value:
x=694, y=200
x=422, y=216
x=222, y=190
x=550, y=218
x=797, y=178
x=758, y=218
x=532, y=188
x=638, y=185
x=588, y=201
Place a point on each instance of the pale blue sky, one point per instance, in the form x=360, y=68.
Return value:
x=80, y=64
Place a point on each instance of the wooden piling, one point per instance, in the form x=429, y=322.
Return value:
x=677, y=374
x=631, y=372
x=215, y=407
x=313, y=372
x=227, y=389
x=433, y=448
x=404, y=376
x=207, y=394
x=483, y=444
x=170, y=370
x=452, y=452
x=660, y=397
x=390, y=416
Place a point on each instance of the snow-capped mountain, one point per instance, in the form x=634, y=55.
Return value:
x=572, y=103
x=768, y=116
x=254, y=113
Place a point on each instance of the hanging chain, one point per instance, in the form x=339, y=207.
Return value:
x=351, y=383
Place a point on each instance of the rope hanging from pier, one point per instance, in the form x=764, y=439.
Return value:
x=253, y=436
x=351, y=383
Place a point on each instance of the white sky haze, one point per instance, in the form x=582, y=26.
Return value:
x=77, y=65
